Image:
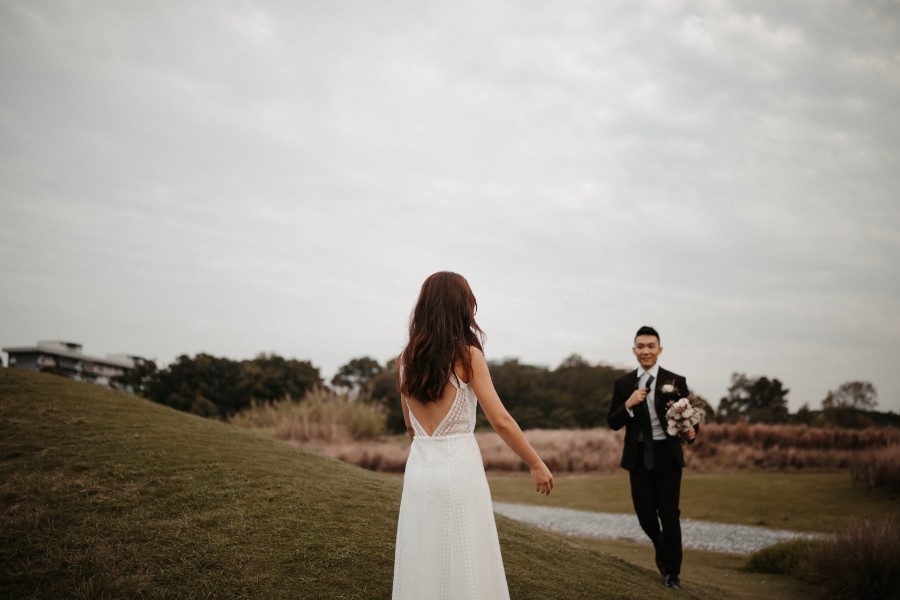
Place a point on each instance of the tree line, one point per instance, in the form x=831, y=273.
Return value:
x=764, y=400
x=574, y=395
x=213, y=386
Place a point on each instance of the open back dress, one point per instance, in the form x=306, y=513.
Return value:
x=447, y=545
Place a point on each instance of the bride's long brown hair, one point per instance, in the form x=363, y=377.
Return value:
x=441, y=329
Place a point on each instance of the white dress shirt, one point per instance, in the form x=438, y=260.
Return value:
x=655, y=423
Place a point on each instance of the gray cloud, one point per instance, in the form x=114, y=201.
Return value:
x=281, y=177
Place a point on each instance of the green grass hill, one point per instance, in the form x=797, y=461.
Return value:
x=106, y=495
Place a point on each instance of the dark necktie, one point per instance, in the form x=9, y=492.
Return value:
x=648, y=430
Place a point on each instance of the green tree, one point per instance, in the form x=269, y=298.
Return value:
x=848, y=406
x=574, y=395
x=521, y=389
x=803, y=416
x=355, y=377
x=585, y=392
x=205, y=385
x=137, y=380
x=859, y=395
x=382, y=389
x=754, y=400
x=213, y=386
x=269, y=378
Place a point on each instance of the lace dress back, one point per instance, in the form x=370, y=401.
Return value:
x=447, y=546
x=459, y=419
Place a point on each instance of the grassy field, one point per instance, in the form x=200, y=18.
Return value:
x=104, y=495
x=801, y=501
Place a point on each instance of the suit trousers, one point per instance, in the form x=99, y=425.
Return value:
x=656, y=493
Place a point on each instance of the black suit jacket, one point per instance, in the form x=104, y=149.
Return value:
x=619, y=417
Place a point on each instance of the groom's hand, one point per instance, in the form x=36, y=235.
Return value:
x=636, y=397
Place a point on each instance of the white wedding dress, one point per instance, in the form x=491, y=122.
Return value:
x=447, y=546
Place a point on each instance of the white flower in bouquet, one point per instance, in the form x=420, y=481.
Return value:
x=682, y=415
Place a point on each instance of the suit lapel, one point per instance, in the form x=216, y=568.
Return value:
x=641, y=409
x=666, y=377
x=633, y=379
x=663, y=377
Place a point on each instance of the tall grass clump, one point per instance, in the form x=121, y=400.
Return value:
x=877, y=468
x=321, y=416
x=862, y=562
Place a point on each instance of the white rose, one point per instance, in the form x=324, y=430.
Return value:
x=672, y=431
x=688, y=412
x=672, y=423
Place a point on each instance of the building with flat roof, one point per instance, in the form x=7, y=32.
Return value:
x=67, y=358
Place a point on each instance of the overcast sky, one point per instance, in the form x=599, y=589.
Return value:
x=245, y=177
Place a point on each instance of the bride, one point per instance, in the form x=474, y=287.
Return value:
x=447, y=546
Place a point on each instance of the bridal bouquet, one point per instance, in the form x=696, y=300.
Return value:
x=682, y=415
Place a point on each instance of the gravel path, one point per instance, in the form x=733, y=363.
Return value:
x=698, y=535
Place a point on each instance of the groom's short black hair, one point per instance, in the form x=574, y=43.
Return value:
x=647, y=330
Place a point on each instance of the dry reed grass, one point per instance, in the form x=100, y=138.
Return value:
x=387, y=455
x=862, y=562
x=859, y=562
x=564, y=450
x=739, y=446
x=349, y=431
x=877, y=468
x=321, y=415
x=800, y=436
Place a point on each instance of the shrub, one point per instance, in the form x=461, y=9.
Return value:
x=862, y=562
x=783, y=558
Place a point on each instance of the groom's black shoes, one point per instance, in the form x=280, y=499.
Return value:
x=671, y=581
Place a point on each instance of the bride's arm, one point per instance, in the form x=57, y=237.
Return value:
x=504, y=424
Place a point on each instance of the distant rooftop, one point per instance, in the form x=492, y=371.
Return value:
x=74, y=350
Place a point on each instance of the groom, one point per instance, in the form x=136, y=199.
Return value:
x=653, y=458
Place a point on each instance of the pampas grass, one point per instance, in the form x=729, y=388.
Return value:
x=739, y=446
x=564, y=450
x=353, y=432
x=877, y=468
x=873, y=455
x=321, y=415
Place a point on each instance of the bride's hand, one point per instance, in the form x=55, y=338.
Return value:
x=542, y=478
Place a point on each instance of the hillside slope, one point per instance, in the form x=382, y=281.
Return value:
x=105, y=495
